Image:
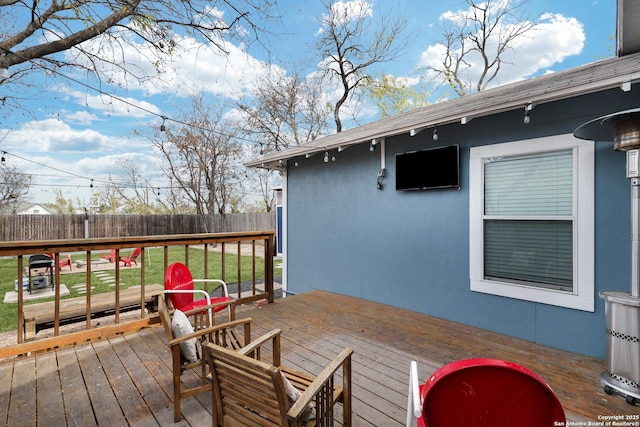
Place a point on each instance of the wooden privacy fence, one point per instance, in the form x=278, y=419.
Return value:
x=80, y=226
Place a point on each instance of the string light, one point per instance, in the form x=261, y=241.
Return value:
x=131, y=104
x=435, y=134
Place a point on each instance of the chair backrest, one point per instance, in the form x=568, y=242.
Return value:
x=178, y=277
x=136, y=253
x=165, y=316
x=489, y=392
x=246, y=390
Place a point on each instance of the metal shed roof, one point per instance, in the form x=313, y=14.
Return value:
x=598, y=76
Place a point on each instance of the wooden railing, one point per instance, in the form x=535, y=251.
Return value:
x=261, y=244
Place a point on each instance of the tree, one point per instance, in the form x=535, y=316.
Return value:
x=202, y=159
x=131, y=192
x=285, y=111
x=394, y=95
x=14, y=187
x=478, y=38
x=352, y=41
x=62, y=205
x=34, y=34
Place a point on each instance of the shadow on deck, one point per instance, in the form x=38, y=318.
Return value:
x=127, y=380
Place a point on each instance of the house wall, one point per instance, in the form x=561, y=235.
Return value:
x=411, y=249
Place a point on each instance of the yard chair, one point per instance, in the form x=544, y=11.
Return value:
x=62, y=261
x=131, y=258
x=483, y=392
x=186, y=350
x=178, y=284
x=250, y=392
x=111, y=256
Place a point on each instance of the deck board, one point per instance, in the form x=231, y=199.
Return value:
x=74, y=393
x=49, y=392
x=126, y=380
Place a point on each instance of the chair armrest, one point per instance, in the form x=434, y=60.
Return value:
x=310, y=393
x=254, y=346
x=189, y=291
x=206, y=331
x=231, y=304
x=221, y=282
x=414, y=406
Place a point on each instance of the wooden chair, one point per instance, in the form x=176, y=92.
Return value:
x=224, y=334
x=250, y=392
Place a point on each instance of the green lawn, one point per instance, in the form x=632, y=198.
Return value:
x=154, y=273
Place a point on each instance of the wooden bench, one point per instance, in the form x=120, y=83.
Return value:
x=42, y=315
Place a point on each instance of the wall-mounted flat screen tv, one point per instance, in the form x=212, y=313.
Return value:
x=428, y=169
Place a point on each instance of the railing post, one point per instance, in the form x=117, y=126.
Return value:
x=88, y=290
x=20, y=330
x=56, y=272
x=268, y=267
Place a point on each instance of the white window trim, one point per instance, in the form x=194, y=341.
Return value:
x=582, y=297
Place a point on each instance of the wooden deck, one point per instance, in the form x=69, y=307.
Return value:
x=127, y=381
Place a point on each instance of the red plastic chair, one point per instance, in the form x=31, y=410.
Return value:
x=63, y=261
x=484, y=392
x=131, y=258
x=178, y=283
x=110, y=257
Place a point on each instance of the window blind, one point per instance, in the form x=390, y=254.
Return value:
x=528, y=226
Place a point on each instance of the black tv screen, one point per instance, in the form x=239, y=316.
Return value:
x=428, y=169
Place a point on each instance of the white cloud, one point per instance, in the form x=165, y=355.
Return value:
x=61, y=157
x=551, y=42
x=55, y=135
x=221, y=69
x=79, y=117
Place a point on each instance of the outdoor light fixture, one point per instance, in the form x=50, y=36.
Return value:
x=373, y=144
x=435, y=134
x=162, y=127
x=3, y=159
x=415, y=131
x=326, y=157
x=91, y=185
x=295, y=163
x=527, y=108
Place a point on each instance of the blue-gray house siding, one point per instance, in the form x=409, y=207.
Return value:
x=411, y=249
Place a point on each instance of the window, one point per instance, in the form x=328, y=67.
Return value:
x=531, y=221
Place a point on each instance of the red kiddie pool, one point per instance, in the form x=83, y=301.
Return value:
x=488, y=393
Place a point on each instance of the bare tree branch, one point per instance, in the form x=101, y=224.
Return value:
x=40, y=32
x=484, y=32
x=351, y=42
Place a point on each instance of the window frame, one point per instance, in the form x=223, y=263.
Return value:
x=582, y=296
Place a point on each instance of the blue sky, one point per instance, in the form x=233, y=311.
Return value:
x=69, y=134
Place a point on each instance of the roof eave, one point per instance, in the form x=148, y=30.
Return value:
x=590, y=78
